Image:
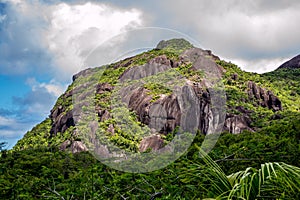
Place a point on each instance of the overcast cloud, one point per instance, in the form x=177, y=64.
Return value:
x=253, y=32
x=250, y=32
x=35, y=32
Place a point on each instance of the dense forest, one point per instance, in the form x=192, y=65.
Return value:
x=258, y=160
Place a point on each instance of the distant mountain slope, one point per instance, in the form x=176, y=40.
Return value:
x=294, y=63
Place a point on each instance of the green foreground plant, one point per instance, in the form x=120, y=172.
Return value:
x=275, y=180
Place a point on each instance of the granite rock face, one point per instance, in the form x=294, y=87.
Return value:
x=263, y=97
x=154, y=66
x=191, y=105
x=61, y=120
x=78, y=146
x=235, y=124
x=188, y=106
x=154, y=142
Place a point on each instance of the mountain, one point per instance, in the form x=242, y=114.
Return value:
x=253, y=101
x=167, y=101
x=294, y=63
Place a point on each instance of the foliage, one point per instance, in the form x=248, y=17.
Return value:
x=36, y=138
x=157, y=89
x=272, y=180
x=35, y=169
x=178, y=45
x=49, y=173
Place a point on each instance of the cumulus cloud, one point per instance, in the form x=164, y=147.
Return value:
x=11, y=128
x=29, y=109
x=53, y=87
x=51, y=39
x=20, y=47
x=2, y=18
x=260, y=65
x=75, y=30
x=40, y=99
x=6, y=121
x=248, y=30
x=59, y=35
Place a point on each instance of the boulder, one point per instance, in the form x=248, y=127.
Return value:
x=263, y=97
x=103, y=87
x=153, y=142
x=154, y=66
x=61, y=122
x=78, y=146
x=235, y=124
x=66, y=144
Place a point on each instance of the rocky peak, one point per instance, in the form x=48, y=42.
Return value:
x=189, y=100
x=175, y=44
x=154, y=66
x=167, y=112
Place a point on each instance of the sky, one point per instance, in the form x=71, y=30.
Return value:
x=44, y=42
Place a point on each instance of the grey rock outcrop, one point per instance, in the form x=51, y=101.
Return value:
x=78, y=146
x=61, y=120
x=192, y=105
x=154, y=66
x=189, y=105
x=235, y=124
x=263, y=97
x=153, y=142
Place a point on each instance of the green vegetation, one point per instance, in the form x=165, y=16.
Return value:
x=284, y=88
x=272, y=180
x=178, y=45
x=186, y=71
x=49, y=173
x=252, y=165
x=38, y=137
x=156, y=90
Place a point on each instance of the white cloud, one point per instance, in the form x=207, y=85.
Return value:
x=5, y=134
x=37, y=103
x=11, y=128
x=75, y=30
x=2, y=18
x=54, y=87
x=65, y=32
x=4, y=121
x=249, y=29
x=259, y=65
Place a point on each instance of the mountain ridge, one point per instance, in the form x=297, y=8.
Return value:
x=293, y=63
x=247, y=97
x=52, y=161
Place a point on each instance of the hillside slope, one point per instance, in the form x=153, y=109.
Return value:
x=293, y=63
x=260, y=124
x=253, y=101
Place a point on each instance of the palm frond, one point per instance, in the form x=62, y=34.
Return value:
x=272, y=180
